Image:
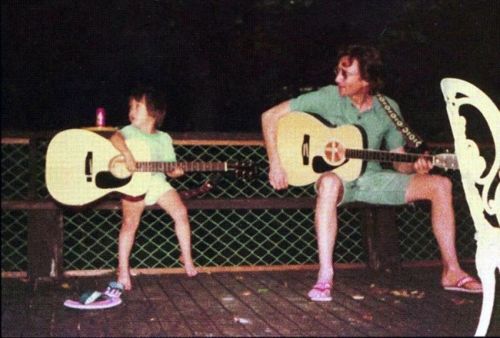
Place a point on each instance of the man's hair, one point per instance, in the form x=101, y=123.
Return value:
x=370, y=64
x=155, y=102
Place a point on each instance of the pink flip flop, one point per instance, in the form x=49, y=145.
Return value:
x=460, y=285
x=95, y=300
x=323, y=295
x=95, y=305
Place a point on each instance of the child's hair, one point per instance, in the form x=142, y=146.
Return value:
x=155, y=102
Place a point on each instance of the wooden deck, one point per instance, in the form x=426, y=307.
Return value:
x=271, y=303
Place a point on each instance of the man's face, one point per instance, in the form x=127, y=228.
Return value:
x=349, y=79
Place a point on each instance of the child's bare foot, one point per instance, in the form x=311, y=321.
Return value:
x=188, y=267
x=190, y=270
x=124, y=279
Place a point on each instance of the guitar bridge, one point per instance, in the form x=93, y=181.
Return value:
x=305, y=150
x=88, y=166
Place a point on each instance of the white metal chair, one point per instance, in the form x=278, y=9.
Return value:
x=480, y=180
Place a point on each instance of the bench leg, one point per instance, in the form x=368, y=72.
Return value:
x=45, y=244
x=380, y=238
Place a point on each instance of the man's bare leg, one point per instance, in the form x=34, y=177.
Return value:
x=438, y=190
x=329, y=193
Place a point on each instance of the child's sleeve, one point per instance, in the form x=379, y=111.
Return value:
x=127, y=132
x=169, y=148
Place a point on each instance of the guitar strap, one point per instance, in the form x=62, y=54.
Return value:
x=411, y=137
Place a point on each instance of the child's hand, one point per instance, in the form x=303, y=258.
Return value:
x=177, y=172
x=130, y=162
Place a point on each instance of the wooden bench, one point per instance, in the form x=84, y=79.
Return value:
x=45, y=217
x=45, y=228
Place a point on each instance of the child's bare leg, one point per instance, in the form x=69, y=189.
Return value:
x=132, y=211
x=172, y=203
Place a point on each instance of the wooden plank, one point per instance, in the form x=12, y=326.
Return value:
x=263, y=311
x=235, y=308
x=297, y=308
x=381, y=312
x=174, y=305
x=190, y=310
x=187, y=138
x=298, y=282
x=14, y=318
x=176, y=301
x=15, y=140
x=433, y=313
x=192, y=138
x=135, y=329
x=202, y=204
x=199, y=203
x=213, y=309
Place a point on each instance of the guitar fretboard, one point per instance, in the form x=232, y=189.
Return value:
x=186, y=166
x=384, y=156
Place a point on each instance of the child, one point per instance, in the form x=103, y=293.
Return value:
x=146, y=113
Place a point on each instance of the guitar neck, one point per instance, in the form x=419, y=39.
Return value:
x=384, y=156
x=186, y=166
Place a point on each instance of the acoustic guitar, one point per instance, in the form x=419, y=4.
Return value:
x=308, y=147
x=82, y=166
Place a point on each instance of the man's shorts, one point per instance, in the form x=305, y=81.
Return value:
x=386, y=187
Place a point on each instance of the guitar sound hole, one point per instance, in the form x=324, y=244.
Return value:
x=106, y=180
x=334, y=152
x=118, y=167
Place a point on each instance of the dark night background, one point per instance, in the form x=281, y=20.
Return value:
x=222, y=63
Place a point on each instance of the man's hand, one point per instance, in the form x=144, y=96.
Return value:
x=177, y=172
x=278, y=177
x=422, y=165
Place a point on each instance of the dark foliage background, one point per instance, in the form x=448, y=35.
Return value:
x=222, y=63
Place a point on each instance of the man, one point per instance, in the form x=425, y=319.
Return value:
x=352, y=101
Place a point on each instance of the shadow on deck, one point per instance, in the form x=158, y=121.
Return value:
x=273, y=303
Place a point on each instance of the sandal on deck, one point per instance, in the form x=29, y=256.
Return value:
x=93, y=300
x=460, y=285
x=321, y=292
x=114, y=289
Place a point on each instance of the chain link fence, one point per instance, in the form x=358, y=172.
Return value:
x=226, y=237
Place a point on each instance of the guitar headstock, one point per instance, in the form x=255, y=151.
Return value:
x=446, y=161
x=245, y=169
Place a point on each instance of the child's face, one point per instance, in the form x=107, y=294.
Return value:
x=138, y=113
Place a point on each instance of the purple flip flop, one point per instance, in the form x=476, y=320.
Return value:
x=95, y=300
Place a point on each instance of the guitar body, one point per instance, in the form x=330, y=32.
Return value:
x=78, y=163
x=304, y=147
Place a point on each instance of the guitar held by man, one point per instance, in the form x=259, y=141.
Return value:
x=308, y=147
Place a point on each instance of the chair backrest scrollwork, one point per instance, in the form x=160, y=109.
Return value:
x=480, y=180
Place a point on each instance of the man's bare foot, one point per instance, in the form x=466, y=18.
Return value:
x=321, y=291
x=461, y=281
